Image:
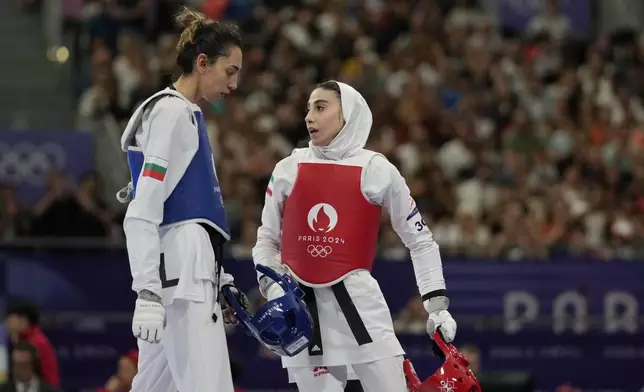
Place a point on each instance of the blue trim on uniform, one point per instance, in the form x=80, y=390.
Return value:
x=413, y=213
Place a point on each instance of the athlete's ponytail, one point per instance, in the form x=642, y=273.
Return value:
x=189, y=21
x=201, y=35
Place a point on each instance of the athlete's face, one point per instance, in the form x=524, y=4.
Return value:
x=324, y=118
x=219, y=78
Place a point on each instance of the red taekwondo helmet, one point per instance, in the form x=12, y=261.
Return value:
x=453, y=376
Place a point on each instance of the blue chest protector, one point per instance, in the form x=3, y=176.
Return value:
x=197, y=196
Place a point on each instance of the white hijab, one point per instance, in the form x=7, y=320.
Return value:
x=353, y=136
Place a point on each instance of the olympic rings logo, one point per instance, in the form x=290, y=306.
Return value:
x=28, y=163
x=319, y=250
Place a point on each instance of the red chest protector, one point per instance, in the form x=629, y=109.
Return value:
x=329, y=228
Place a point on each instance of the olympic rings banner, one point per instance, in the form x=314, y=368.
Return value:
x=26, y=157
x=559, y=320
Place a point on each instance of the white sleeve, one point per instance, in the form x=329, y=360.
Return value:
x=269, y=235
x=168, y=139
x=385, y=186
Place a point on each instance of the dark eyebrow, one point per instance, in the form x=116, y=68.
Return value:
x=320, y=101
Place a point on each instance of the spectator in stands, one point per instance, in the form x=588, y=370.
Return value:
x=127, y=369
x=15, y=219
x=23, y=326
x=94, y=219
x=55, y=212
x=164, y=63
x=101, y=98
x=72, y=211
x=132, y=72
x=100, y=25
x=25, y=364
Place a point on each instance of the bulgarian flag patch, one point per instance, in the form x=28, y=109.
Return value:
x=155, y=167
x=269, y=190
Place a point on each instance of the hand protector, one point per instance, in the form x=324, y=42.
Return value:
x=149, y=318
x=439, y=318
x=228, y=314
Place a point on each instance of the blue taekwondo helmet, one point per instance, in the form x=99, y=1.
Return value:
x=284, y=325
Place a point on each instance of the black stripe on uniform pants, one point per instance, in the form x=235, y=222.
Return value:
x=165, y=283
x=356, y=325
x=315, y=345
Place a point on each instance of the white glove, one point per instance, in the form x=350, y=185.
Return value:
x=274, y=291
x=440, y=318
x=269, y=288
x=149, y=318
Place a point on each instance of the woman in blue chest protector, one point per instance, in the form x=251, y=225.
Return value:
x=175, y=224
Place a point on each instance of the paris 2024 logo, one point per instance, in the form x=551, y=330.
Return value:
x=321, y=219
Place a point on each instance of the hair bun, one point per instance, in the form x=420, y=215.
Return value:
x=189, y=21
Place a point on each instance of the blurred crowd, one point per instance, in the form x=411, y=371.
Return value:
x=66, y=210
x=515, y=144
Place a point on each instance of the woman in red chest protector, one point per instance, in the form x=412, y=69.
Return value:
x=320, y=225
